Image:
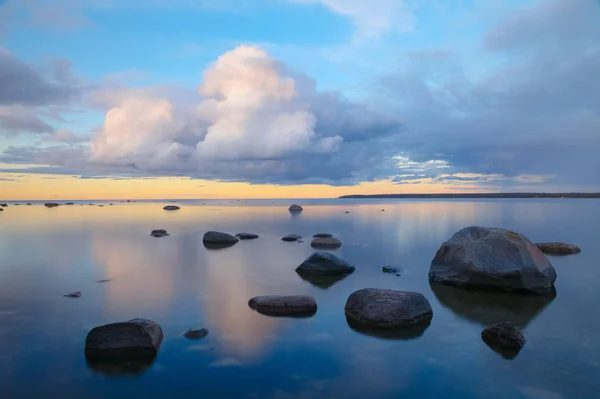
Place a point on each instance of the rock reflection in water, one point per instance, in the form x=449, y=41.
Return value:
x=488, y=308
x=323, y=282
x=408, y=332
x=120, y=368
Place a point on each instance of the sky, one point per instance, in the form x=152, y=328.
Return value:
x=115, y=99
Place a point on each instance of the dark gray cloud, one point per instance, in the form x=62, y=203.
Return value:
x=24, y=84
x=17, y=119
x=536, y=112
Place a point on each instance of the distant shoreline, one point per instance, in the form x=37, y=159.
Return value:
x=477, y=195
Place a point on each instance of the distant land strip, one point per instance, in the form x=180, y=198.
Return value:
x=478, y=195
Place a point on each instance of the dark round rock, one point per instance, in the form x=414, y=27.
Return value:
x=291, y=237
x=218, y=239
x=195, y=333
x=503, y=335
x=387, y=309
x=295, y=208
x=159, y=233
x=325, y=264
x=246, y=236
x=323, y=235
x=130, y=340
x=171, y=208
x=558, y=248
x=289, y=305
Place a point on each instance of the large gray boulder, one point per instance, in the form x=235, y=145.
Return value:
x=558, y=248
x=324, y=264
x=218, y=239
x=387, y=309
x=492, y=258
x=288, y=305
x=137, y=339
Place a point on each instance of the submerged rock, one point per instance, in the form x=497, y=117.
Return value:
x=391, y=270
x=387, y=309
x=28, y=204
x=504, y=338
x=289, y=305
x=493, y=259
x=291, y=237
x=558, y=248
x=326, y=243
x=131, y=340
x=216, y=239
x=51, y=204
x=69, y=203
x=295, y=208
x=246, y=236
x=3, y=205
x=195, y=333
x=159, y=233
x=74, y=294
x=170, y=207
x=323, y=235
x=325, y=264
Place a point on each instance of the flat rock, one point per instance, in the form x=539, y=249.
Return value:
x=246, y=236
x=558, y=248
x=325, y=264
x=3, y=205
x=159, y=233
x=218, y=239
x=131, y=340
x=28, y=204
x=492, y=259
x=289, y=305
x=171, y=208
x=291, y=237
x=323, y=235
x=392, y=270
x=295, y=208
x=69, y=203
x=387, y=309
x=74, y=294
x=195, y=333
x=51, y=204
x=326, y=243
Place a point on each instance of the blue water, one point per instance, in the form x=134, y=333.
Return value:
x=175, y=281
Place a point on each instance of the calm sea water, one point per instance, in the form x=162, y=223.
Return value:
x=175, y=281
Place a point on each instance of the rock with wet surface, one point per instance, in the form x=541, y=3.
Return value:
x=3, y=205
x=74, y=294
x=323, y=235
x=195, y=333
x=387, y=309
x=159, y=233
x=391, y=270
x=291, y=237
x=325, y=264
x=51, y=204
x=504, y=338
x=170, y=207
x=326, y=243
x=69, y=203
x=295, y=208
x=558, y=248
x=246, y=236
x=131, y=340
x=28, y=204
x=288, y=305
x=492, y=259
x=218, y=239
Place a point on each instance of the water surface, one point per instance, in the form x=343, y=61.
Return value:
x=45, y=253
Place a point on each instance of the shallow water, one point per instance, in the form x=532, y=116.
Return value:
x=45, y=253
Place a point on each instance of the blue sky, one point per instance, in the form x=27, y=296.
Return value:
x=499, y=94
